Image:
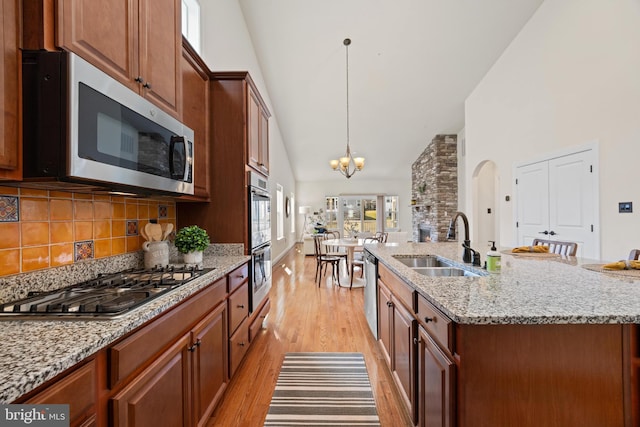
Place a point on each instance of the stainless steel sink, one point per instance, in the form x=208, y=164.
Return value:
x=422, y=261
x=442, y=271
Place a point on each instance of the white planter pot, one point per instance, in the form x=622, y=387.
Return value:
x=192, y=257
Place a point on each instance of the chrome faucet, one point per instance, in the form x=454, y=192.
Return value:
x=469, y=255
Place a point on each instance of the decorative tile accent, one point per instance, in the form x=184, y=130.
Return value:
x=163, y=211
x=83, y=250
x=132, y=227
x=9, y=211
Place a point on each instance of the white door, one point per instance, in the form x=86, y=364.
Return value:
x=557, y=200
x=533, y=201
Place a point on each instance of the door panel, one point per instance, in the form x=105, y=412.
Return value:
x=571, y=207
x=533, y=201
x=559, y=196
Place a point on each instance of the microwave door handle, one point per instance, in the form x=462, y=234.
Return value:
x=172, y=147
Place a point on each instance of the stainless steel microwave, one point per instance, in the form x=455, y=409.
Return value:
x=82, y=127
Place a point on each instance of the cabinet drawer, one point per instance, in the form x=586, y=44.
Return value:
x=403, y=292
x=77, y=389
x=238, y=276
x=256, y=324
x=134, y=351
x=436, y=323
x=238, y=346
x=238, y=307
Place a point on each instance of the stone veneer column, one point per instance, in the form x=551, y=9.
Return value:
x=434, y=186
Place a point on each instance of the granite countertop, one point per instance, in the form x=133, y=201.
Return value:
x=34, y=351
x=528, y=290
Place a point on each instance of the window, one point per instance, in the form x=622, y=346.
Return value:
x=191, y=22
x=353, y=215
x=391, y=213
x=279, y=212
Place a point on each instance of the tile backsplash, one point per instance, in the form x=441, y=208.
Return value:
x=41, y=229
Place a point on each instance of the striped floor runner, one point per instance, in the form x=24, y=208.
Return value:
x=323, y=389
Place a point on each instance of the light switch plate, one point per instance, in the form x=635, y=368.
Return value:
x=625, y=207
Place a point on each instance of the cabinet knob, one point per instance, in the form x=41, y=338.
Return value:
x=415, y=341
x=389, y=304
x=241, y=344
x=240, y=305
x=429, y=319
x=138, y=79
x=147, y=85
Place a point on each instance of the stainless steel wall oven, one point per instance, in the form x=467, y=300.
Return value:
x=260, y=239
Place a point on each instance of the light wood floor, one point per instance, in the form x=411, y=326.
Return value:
x=305, y=317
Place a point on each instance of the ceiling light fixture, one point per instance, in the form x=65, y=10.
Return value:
x=347, y=165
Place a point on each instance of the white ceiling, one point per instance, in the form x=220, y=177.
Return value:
x=412, y=63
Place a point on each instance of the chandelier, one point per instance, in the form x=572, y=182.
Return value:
x=347, y=165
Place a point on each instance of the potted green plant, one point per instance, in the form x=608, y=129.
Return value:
x=191, y=241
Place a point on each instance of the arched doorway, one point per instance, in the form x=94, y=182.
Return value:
x=486, y=215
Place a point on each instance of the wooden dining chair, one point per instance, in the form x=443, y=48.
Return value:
x=358, y=259
x=557, y=247
x=323, y=259
x=336, y=250
x=634, y=254
x=381, y=236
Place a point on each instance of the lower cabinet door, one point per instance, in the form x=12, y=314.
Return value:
x=436, y=384
x=160, y=395
x=404, y=355
x=384, y=322
x=209, y=363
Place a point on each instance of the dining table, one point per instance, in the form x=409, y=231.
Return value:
x=350, y=244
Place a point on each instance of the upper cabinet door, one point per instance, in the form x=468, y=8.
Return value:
x=160, y=44
x=137, y=42
x=105, y=33
x=257, y=134
x=10, y=119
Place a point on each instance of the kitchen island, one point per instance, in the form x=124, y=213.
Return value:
x=36, y=351
x=543, y=342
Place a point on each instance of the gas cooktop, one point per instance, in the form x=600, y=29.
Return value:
x=107, y=296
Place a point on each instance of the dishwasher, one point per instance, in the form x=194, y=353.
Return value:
x=371, y=292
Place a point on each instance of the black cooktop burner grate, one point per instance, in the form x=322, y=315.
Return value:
x=106, y=296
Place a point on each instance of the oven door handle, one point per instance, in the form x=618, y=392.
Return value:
x=261, y=250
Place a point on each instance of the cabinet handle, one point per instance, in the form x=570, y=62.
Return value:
x=429, y=319
x=138, y=79
x=415, y=341
x=147, y=85
x=241, y=344
x=240, y=305
x=545, y=232
x=389, y=304
x=240, y=276
x=552, y=233
x=194, y=346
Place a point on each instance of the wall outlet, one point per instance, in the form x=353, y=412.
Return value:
x=625, y=207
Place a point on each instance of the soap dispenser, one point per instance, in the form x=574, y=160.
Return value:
x=493, y=258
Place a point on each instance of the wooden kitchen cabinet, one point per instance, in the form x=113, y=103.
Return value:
x=76, y=389
x=195, y=114
x=238, y=303
x=397, y=328
x=10, y=121
x=161, y=394
x=232, y=97
x=385, y=316
x=436, y=384
x=137, y=42
x=258, y=135
x=209, y=363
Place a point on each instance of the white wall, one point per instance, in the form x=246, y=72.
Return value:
x=226, y=46
x=572, y=76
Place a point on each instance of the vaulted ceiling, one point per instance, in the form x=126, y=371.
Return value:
x=412, y=63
